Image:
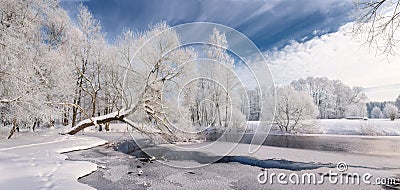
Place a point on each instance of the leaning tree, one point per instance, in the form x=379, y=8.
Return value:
x=158, y=59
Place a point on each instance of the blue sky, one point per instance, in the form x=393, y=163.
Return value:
x=269, y=23
x=299, y=38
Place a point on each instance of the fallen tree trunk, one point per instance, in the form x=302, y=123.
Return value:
x=150, y=99
x=119, y=116
x=114, y=116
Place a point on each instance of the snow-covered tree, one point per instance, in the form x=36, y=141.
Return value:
x=213, y=97
x=53, y=69
x=89, y=62
x=391, y=111
x=397, y=102
x=293, y=107
x=126, y=46
x=34, y=73
x=321, y=90
x=357, y=110
x=376, y=113
x=332, y=97
x=222, y=72
x=253, y=100
x=151, y=74
x=380, y=105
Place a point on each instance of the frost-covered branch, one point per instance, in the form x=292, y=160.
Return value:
x=378, y=22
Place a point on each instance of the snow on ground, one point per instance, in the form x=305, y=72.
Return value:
x=371, y=127
x=381, y=127
x=34, y=161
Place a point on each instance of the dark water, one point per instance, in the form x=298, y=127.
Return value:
x=151, y=153
x=324, y=143
x=388, y=146
x=367, y=145
x=164, y=153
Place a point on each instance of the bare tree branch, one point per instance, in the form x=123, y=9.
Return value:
x=379, y=20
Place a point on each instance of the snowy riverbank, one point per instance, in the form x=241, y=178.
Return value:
x=237, y=170
x=371, y=127
x=35, y=161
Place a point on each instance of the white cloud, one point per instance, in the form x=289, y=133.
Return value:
x=336, y=55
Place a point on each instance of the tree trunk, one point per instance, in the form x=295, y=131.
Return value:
x=94, y=104
x=107, y=126
x=287, y=117
x=51, y=123
x=65, y=116
x=77, y=100
x=119, y=116
x=74, y=113
x=34, y=125
x=15, y=127
x=98, y=120
x=107, y=110
x=226, y=110
x=219, y=114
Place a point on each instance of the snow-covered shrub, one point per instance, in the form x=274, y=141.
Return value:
x=391, y=111
x=310, y=126
x=376, y=113
x=357, y=110
x=293, y=107
x=367, y=129
x=237, y=122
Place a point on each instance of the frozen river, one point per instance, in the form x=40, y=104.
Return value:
x=376, y=145
x=238, y=170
